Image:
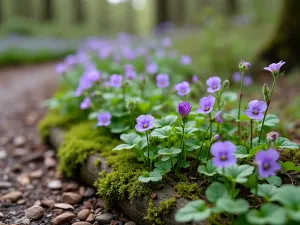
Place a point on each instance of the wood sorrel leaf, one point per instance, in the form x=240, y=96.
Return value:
x=192, y=212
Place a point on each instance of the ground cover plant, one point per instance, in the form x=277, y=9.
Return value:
x=176, y=129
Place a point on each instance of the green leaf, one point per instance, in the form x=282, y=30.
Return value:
x=275, y=180
x=237, y=173
x=241, y=152
x=164, y=166
x=162, y=133
x=216, y=191
x=270, y=121
x=233, y=114
x=187, y=131
x=119, y=128
x=267, y=191
x=131, y=138
x=192, y=212
x=285, y=143
x=193, y=143
x=255, y=150
x=165, y=121
x=147, y=177
x=230, y=205
x=289, y=166
x=268, y=214
x=229, y=96
x=288, y=196
x=209, y=169
x=169, y=151
x=123, y=146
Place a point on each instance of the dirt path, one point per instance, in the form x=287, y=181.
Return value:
x=28, y=169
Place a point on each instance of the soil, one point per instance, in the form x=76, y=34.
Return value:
x=26, y=165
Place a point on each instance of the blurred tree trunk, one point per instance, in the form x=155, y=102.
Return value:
x=162, y=14
x=232, y=7
x=130, y=20
x=285, y=43
x=180, y=12
x=78, y=11
x=47, y=10
x=1, y=11
x=104, y=16
x=23, y=8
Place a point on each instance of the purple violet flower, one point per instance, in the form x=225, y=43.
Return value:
x=256, y=110
x=130, y=74
x=273, y=136
x=84, y=84
x=186, y=60
x=195, y=79
x=274, y=68
x=237, y=77
x=152, y=68
x=219, y=118
x=184, y=108
x=104, y=119
x=93, y=75
x=162, y=80
x=267, y=162
x=248, y=80
x=244, y=66
x=116, y=80
x=144, y=123
x=167, y=42
x=223, y=154
x=183, y=88
x=214, y=84
x=206, y=104
x=61, y=68
x=86, y=103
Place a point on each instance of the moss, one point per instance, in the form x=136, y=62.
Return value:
x=98, y=162
x=81, y=141
x=291, y=155
x=188, y=190
x=154, y=213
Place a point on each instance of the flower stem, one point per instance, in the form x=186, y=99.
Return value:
x=268, y=105
x=232, y=189
x=124, y=95
x=256, y=184
x=203, y=141
x=182, y=143
x=148, y=149
x=251, y=130
x=240, y=102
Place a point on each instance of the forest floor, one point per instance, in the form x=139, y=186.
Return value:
x=28, y=168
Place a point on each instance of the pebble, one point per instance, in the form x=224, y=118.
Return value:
x=90, y=218
x=105, y=218
x=36, y=174
x=26, y=221
x=63, y=218
x=48, y=203
x=18, y=152
x=83, y=214
x=130, y=223
x=81, y=223
x=50, y=163
x=13, y=196
x=55, y=184
x=5, y=185
x=63, y=206
x=34, y=212
x=71, y=186
x=3, y=154
x=89, y=192
x=71, y=198
x=19, y=141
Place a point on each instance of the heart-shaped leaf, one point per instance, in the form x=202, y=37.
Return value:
x=161, y=133
x=230, y=205
x=267, y=191
x=285, y=143
x=209, y=169
x=216, y=191
x=147, y=177
x=270, y=121
x=237, y=173
x=275, y=180
x=165, y=121
x=192, y=212
x=131, y=138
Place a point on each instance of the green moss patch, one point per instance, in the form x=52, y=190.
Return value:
x=154, y=213
x=188, y=190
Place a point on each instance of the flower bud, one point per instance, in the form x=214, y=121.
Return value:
x=184, y=108
x=266, y=93
x=216, y=138
x=272, y=136
x=226, y=84
x=217, y=118
x=244, y=66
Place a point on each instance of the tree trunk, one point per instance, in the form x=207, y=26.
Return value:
x=47, y=10
x=79, y=11
x=162, y=14
x=285, y=43
x=1, y=11
x=231, y=7
x=22, y=8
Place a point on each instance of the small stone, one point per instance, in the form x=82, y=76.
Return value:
x=98, y=211
x=81, y=223
x=105, y=218
x=90, y=218
x=17, y=168
x=1, y=214
x=48, y=203
x=71, y=186
x=23, y=179
x=26, y=221
x=89, y=193
x=71, y=198
x=55, y=184
x=3, y=154
x=63, y=218
x=19, y=141
x=18, y=152
x=130, y=223
x=38, y=202
x=81, y=190
x=100, y=203
x=21, y=202
x=63, y=206
x=36, y=174
x=13, y=196
x=5, y=185
x=34, y=212
x=50, y=162
x=83, y=214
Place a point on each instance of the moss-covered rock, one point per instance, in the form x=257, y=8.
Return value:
x=188, y=190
